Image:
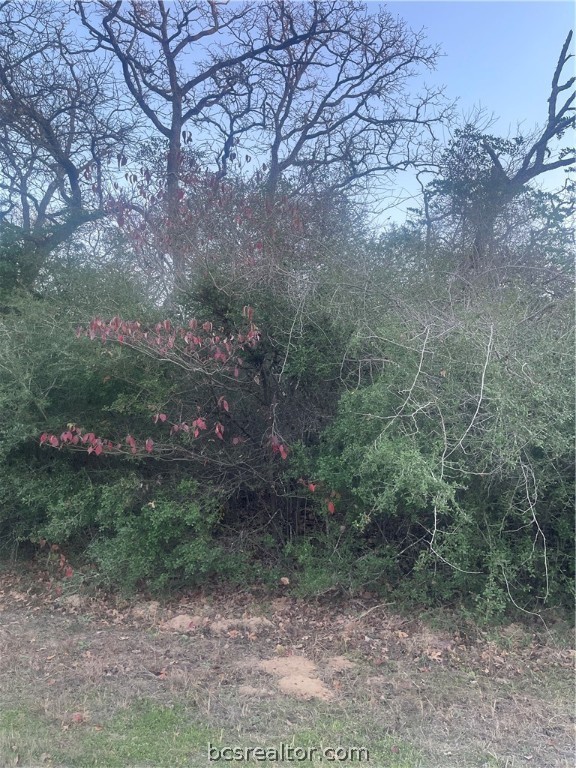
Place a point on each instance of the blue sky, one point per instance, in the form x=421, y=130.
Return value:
x=497, y=55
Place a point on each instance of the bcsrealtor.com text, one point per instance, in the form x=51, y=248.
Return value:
x=288, y=753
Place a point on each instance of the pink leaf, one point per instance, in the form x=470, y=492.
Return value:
x=219, y=430
x=149, y=445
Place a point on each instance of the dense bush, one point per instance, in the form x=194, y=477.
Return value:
x=385, y=432
x=432, y=455
x=152, y=516
x=459, y=456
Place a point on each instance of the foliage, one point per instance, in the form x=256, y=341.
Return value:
x=460, y=452
x=169, y=538
x=211, y=368
x=481, y=206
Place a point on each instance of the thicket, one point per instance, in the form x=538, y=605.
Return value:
x=212, y=368
x=379, y=432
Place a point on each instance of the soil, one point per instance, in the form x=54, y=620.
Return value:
x=452, y=690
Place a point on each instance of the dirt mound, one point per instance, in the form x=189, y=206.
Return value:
x=297, y=677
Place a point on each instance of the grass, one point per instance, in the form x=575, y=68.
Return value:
x=95, y=684
x=146, y=734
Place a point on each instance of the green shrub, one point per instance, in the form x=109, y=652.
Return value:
x=460, y=454
x=170, y=539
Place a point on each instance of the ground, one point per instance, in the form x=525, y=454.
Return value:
x=88, y=680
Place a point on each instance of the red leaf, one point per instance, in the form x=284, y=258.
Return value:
x=43, y=438
x=68, y=572
x=53, y=440
x=219, y=430
x=131, y=442
x=312, y=487
x=331, y=507
x=283, y=452
x=97, y=449
x=149, y=445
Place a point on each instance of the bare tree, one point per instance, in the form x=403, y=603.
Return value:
x=335, y=108
x=164, y=50
x=316, y=90
x=60, y=125
x=482, y=175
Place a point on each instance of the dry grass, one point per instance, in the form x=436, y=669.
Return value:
x=95, y=678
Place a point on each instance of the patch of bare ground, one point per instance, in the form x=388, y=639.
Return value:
x=464, y=698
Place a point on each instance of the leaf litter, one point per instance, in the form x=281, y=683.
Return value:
x=453, y=692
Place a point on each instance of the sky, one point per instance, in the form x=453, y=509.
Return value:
x=497, y=55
